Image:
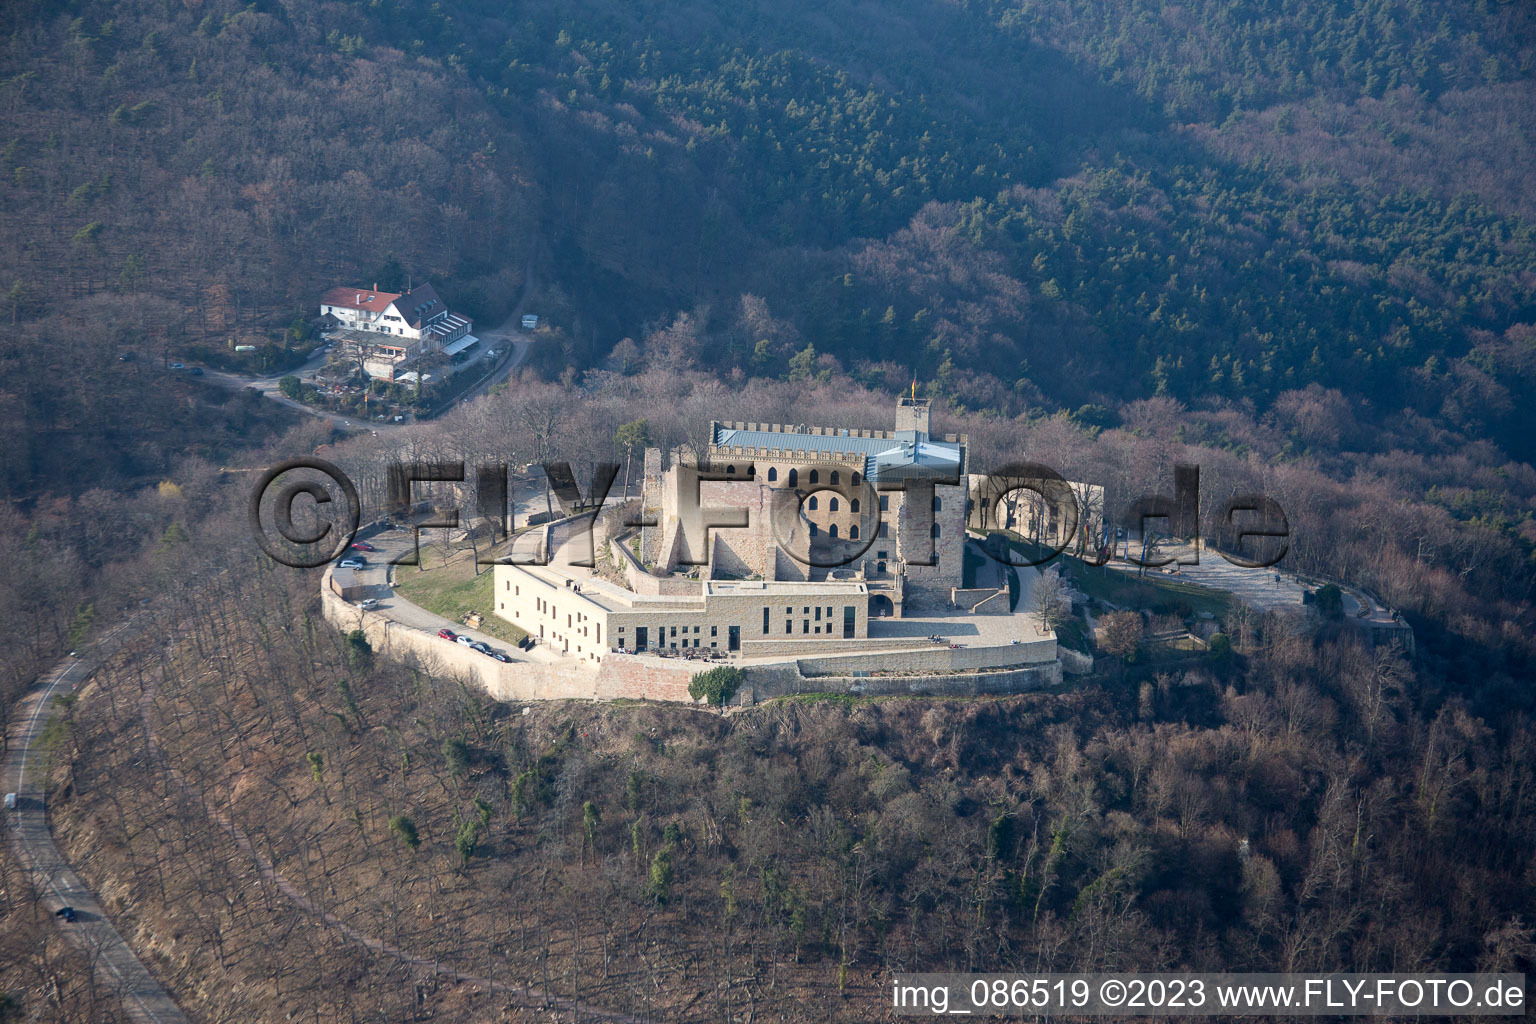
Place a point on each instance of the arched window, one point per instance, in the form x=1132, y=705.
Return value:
x=855, y=479
x=814, y=531
x=815, y=477
x=773, y=473
x=832, y=505
x=938, y=504
x=731, y=469
x=935, y=529
x=832, y=530
x=834, y=478
x=810, y=503
x=794, y=477
x=853, y=532
x=853, y=505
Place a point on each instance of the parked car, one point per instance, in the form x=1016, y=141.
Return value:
x=10, y=801
x=483, y=648
x=178, y=366
x=530, y=321
x=127, y=357
x=462, y=639
x=67, y=913
x=362, y=545
x=350, y=563
x=498, y=656
x=196, y=371
x=368, y=604
x=447, y=634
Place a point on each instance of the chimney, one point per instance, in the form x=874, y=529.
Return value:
x=375, y=286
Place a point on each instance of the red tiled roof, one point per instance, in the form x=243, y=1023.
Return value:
x=417, y=305
x=359, y=298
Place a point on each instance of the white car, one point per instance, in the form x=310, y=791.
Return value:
x=530, y=321
x=368, y=604
x=349, y=563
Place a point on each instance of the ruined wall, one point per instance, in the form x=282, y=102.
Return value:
x=768, y=682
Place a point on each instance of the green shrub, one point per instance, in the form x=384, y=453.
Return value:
x=717, y=685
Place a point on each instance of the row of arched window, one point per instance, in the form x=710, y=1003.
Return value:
x=813, y=477
x=833, y=505
x=853, y=531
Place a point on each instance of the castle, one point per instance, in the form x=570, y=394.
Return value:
x=783, y=543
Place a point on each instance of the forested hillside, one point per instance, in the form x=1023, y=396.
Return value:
x=1219, y=201
x=1289, y=240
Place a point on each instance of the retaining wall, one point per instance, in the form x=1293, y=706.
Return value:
x=647, y=677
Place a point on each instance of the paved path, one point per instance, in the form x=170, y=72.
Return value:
x=116, y=966
x=1263, y=589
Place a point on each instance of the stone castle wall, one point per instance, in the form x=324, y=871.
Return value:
x=646, y=677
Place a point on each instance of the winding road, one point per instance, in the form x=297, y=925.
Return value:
x=113, y=959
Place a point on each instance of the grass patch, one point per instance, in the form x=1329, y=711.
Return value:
x=1073, y=635
x=451, y=589
x=1153, y=592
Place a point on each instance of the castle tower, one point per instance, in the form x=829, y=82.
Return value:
x=912, y=418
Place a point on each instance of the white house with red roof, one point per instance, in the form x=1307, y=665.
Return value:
x=393, y=328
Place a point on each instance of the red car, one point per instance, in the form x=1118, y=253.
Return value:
x=362, y=545
x=447, y=634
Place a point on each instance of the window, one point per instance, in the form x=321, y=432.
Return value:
x=805, y=626
x=794, y=477
x=834, y=478
x=833, y=505
x=884, y=533
x=674, y=631
x=935, y=531
x=853, y=532
x=832, y=530
x=765, y=620
x=815, y=477
x=853, y=505
x=714, y=631
x=773, y=473
x=818, y=613
x=810, y=503
x=789, y=625
x=938, y=504
x=885, y=503
x=814, y=530
x=854, y=479
x=731, y=469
